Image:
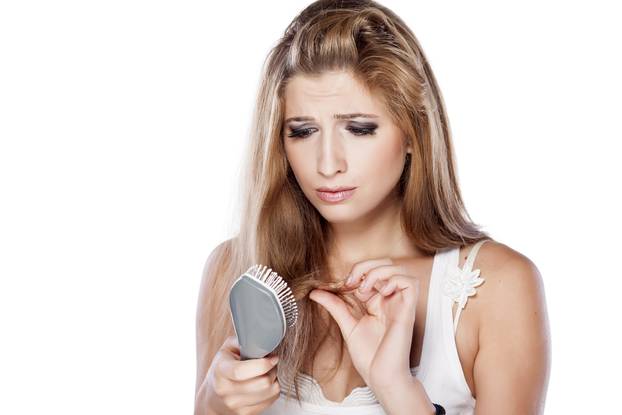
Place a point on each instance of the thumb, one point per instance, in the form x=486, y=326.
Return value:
x=337, y=309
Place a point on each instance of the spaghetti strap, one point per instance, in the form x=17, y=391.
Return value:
x=461, y=282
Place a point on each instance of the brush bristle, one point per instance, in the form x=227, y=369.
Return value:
x=284, y=294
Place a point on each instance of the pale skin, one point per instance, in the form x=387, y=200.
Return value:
x=503, y=335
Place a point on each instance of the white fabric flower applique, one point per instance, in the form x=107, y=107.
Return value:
x=460, y=285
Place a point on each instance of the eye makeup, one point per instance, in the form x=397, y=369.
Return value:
x=359, y=129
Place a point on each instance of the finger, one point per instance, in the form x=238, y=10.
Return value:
x=240, y=370
x=258, y=397
x=257, y=385
x=259, y=408
x=400, y=305
x=361, y=268
x=387, y=287
x=372, y=304
x=405, y=285
x=367, y=295
x=258, y=403
x=380, y=273
x=272, y=373
x=231, y=345
x=337, y=309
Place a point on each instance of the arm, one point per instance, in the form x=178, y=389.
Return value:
x=512, y=365
x=406, y=397
x=511, y=368
x=209, y=334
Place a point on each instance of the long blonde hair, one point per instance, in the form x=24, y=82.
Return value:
x=279, y=227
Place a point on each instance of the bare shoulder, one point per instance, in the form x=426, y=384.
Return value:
x=496, y=254
x=510, y=276
x=212, y=278
x=512, y=362
x=217, y=257
x=215, y=262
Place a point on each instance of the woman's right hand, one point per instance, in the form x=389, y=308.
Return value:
x=240, y=387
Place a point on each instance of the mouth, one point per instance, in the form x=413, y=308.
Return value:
x=335, y=195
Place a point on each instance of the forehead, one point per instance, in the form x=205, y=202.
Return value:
x=330, y=91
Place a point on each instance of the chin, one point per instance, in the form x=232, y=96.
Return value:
x=340, y=213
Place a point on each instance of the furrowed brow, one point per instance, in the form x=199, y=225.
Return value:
x=335, y=116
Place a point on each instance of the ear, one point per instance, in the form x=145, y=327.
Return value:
x=409, y=147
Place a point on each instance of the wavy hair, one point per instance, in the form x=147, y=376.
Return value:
x=279, y=227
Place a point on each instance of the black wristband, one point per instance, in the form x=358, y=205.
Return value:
x=439, y=409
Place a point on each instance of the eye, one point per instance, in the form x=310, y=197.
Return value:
x=300, y=133
x=359, y=131
x=363, y=130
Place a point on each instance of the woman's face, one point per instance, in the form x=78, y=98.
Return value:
x=332, y=143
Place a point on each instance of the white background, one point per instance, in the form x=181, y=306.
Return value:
x=122, y=124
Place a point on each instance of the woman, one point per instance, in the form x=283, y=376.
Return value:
x=350, y=173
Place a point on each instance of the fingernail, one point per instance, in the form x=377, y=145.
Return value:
x=274, y=359
x=350, y=279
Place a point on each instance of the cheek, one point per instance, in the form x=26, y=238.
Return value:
x=383, y=162
x=382, y=158
x=292, y=158
x=298, y=163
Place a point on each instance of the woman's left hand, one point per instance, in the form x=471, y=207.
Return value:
x=379, y=342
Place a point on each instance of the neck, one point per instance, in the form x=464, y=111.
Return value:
x=379, y=234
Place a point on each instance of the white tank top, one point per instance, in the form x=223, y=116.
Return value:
x=439, y=370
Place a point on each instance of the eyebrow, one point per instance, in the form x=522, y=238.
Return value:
x=335, y=116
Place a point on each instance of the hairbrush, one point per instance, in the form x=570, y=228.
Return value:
x=262, y=309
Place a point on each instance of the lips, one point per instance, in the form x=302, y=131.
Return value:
x=335, y=189
x=340, y=195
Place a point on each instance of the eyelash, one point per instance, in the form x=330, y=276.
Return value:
x=355, y=130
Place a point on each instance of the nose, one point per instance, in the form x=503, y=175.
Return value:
x=331, y=155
